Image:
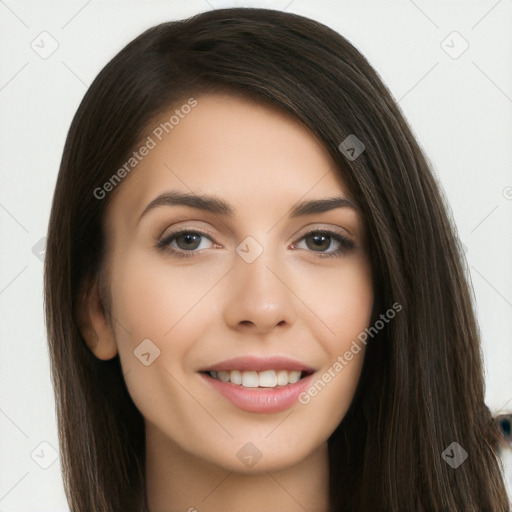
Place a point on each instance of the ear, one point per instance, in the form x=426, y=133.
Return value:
x=93, y=321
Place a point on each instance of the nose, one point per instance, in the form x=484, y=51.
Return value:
x=259, y=298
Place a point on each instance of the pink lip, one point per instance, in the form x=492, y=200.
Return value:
x=262, y=400
x=259, y=364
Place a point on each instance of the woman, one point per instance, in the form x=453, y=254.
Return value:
x=255, y=297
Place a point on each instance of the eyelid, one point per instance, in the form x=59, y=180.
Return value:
x=179, y=226
x=326, y=228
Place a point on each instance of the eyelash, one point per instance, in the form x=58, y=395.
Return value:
x=345, y=243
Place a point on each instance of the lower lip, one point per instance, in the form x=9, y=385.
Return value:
x=262, y=400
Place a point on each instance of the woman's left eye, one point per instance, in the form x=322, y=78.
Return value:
x=326, y=243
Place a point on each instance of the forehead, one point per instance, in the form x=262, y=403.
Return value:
x=250, y=154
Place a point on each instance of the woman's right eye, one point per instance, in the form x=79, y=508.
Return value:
x=184, y=243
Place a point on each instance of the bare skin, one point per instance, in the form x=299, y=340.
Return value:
x=213, y=305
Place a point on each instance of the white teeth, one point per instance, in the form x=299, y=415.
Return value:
x=294, y=376
x=252, y=379
x=235, y=377
x=282, y=377
x=268, y=379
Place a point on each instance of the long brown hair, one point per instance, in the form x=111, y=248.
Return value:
x=422, y=384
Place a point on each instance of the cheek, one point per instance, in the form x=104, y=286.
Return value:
x=154, y=299
x=341, y=299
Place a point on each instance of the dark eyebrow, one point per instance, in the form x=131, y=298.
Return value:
x=199, y=201
x=322, y=205
x=221, y=207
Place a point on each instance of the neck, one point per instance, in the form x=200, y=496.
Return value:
x=179, y=481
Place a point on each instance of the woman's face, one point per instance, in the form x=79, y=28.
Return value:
x=255, y=273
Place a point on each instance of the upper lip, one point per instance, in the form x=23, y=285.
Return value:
x=259, y=364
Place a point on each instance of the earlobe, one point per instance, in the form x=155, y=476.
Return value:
x=93, y=323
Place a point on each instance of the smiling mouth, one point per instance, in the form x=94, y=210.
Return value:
x=263, y=379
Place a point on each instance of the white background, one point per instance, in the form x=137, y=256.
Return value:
x=460, y=110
